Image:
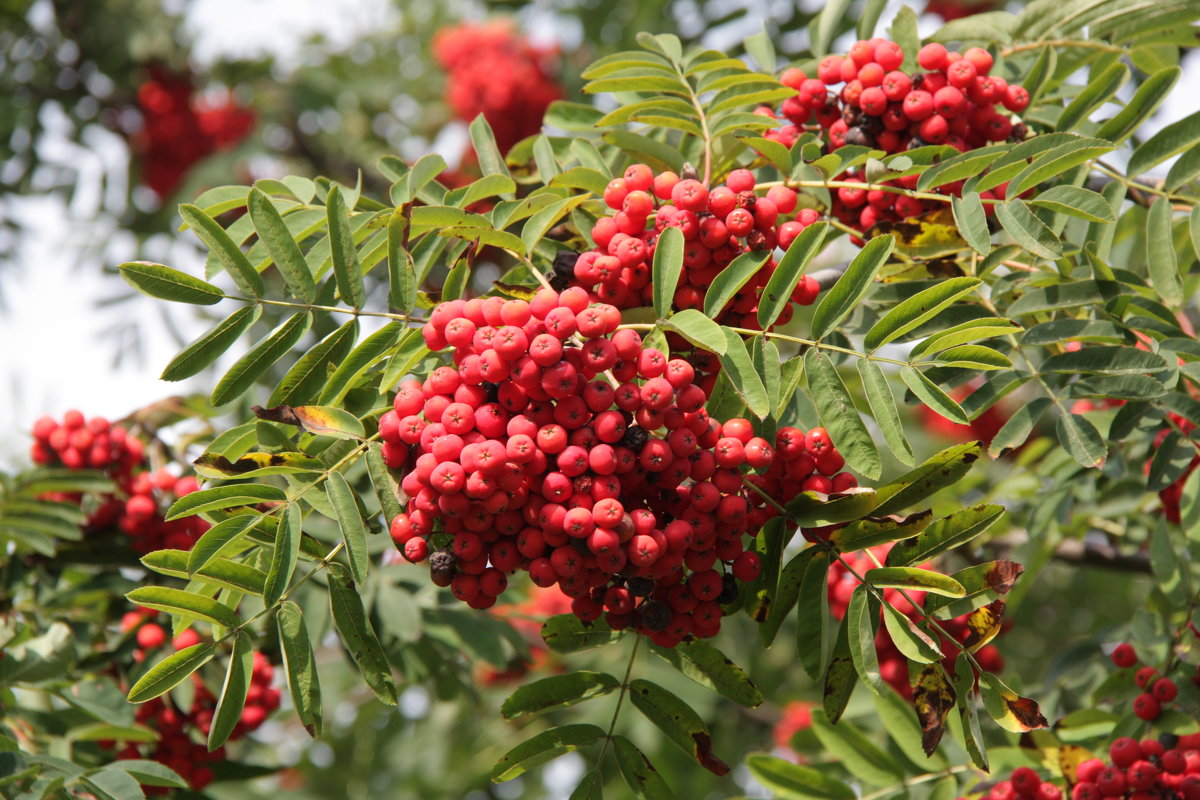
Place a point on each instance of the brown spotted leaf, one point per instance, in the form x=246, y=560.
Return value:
x=678, y=721
x=983, y=624
x=250, y=465
x=1010, y=710
x=933, y=697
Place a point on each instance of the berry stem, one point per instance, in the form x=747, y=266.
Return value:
x=612, y=725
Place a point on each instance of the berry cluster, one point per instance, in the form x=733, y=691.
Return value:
x=179, y=129
x=494, y=72
x=1158, y=691
x=893, y=666
x=953, y=102
x=718, y=224
x=1167, y=768
x=142, y=497
x=562, y=446
x=175, y=746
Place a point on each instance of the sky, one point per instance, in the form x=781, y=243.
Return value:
x=57, y=346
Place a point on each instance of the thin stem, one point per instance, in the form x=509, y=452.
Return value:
x=612, y=725
x=1142, y=187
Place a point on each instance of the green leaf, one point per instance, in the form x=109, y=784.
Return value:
x=678, y=721
x=668, y=265
x=849, y=290
x=1081, y=439
x=1145, y=101
x=352, y=624
x=813, y=509
x=284, y=250
x=839, y=415
x=697, y=329
x=1017, y=428
x=169, y=284
x=812, y=614
x=1184, y=170
x=861, y=757
x=1099, y=90
x=1075, y=202
x=222, y=497
x=971, y=331
x=150, y=773
x=787, y=592
x=557, y=691
x=778, y=291
x=1171, y=140
x=731, y=279
x=346, y=269
x=1172, y=458
x=330, y=421
x=1160, y=253
x=300, y=665
x=114, y=784
x=1106, y=361
x=566, y=633
x=222, y=245
x=840, y=678
x=170, y=672
x=218, y=539
x=232, y=698
x=824, y=26
x=402, y=273
x=354, y=532
x=1066, y=295
x=381, y=480
x=917, y=310
x=790, y=781
x=921, y=580
x=964, y=687
x=945, y=534
x=869, y=18
x=491, y=162
x=544, y=219
x=910, y=640
x=883, y=409
x=933, y=396
x=543, y=747
x=284, y=554
x=862, y=620
x=961, y=166
x=972, y=222
x=369, y=352
x=242, y=375
x=590, y=787
x=184, y=604
x=871, y=531
x=904, y=32
x=708, y=666
x=900, y=719
x=303, y=381
x=743, y=376
x=207, y=348
x=1194, y=230
x=640, y=775
x=1027, y=230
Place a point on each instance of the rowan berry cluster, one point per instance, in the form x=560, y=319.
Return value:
x=176, y=728
x=953, y=102
x=495, y=72
x=178, y=129
x=1167, y=768
x=1158, y=691
x=893, y=666
x=137, y=507
x=718, y=224
x=562, y=446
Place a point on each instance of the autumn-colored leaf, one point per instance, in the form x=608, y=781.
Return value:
x=933, y=697
x=983, y=624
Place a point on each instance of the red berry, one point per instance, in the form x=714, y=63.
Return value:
x=1146, y=707
x=1124, y=655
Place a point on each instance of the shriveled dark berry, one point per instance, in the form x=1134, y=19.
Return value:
x=443, y=566
x=729, y=590
x=635, y=438
x=640, y=587
x=654, y=615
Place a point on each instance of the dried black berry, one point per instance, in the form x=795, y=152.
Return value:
x=443, y=566
x=729, y=589
x=635, y=438
x=654, y=615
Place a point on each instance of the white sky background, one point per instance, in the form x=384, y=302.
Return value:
x=52, y=354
